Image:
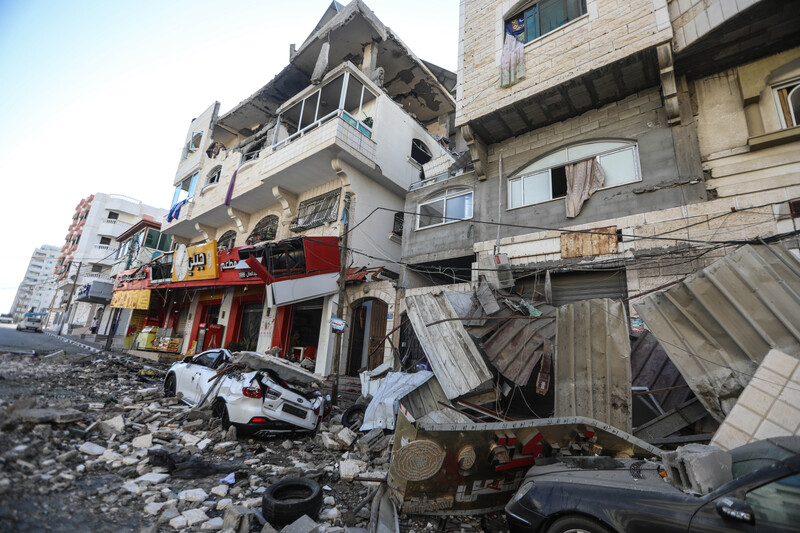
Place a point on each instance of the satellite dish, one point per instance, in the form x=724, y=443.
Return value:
x=180, y=266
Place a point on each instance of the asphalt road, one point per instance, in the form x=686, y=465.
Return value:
x=12, y=340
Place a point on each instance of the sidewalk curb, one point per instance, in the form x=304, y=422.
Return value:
x=92, y=349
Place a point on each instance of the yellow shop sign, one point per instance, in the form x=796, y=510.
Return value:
x=195, y=263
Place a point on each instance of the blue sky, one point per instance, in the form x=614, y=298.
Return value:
x=97, y=95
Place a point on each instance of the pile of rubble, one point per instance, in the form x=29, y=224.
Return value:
x=90, y=443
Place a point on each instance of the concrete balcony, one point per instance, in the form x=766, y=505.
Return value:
x=112, y=228
x=102, y=254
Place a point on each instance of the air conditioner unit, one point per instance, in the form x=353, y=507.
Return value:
x=497, y=271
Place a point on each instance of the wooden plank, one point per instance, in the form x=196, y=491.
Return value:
x=600, y=241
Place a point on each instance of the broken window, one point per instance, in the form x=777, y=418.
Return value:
x=265, y=230
x=419, y=152
x=540, y=18
x=185, y=189
x=316, y=211
x=788, y=97
x=213, y=176
x=252, y=152
x=193, y=144
x=227, y=240
x=112, y=215
x=397, y=226
x=448, y=206
x=344, y=96
x=546, y=178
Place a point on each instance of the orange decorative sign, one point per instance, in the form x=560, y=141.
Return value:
x=139, y=299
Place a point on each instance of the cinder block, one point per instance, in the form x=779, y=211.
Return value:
x=698, y=467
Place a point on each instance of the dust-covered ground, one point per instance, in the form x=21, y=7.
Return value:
x=88, y=443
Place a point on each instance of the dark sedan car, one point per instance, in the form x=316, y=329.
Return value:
x=603, y=495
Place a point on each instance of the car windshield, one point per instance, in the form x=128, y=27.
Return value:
x=757, y=455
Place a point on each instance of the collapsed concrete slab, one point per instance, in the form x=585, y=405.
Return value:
x=768, y=407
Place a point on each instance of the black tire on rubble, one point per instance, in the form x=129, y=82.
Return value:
x=354, y=415
x=290, y=498
x=220, y=410
x=169, y=386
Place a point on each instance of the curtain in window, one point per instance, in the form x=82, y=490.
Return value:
x=512, y=61
x=583, y=179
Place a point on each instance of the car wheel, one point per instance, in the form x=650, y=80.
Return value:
x=290, y=498
x=577, y=524
x=353, y=415
x=169, y=386
x=220, y=410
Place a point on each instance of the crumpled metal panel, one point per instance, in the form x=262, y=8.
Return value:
x=382, y=410
x=593, y=369
x=518, y=343
x=451, y=352
x=718, y=324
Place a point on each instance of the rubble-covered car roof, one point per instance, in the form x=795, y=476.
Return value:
x=286, y=370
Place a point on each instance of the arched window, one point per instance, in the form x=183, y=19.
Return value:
x=227, y=240
x=214, y=175
x=450, y=205
x=265, y=230
x=546, y=178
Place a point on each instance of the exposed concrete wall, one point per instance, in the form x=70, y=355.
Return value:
x=191, y=162
x=611, y=30
x=638, y=118
x=692, y=19
x=743, y=146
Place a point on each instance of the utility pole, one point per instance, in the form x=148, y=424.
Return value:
x=337, y=352
x=69, y=300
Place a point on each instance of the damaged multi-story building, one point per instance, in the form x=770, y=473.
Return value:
x=265, y=192
x=613, y=146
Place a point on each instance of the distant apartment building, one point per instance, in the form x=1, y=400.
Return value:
x=83, y=267
x=37, y=289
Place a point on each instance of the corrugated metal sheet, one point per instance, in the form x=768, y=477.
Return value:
x=517, y=345
x=651, y=369
x=452, y=354
x=593, y=371
x=719, y=323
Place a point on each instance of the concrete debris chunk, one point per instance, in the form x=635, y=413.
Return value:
x=350, y=468
x=220, y=490
x=193, y=495
x=91, y=448
x=237, y=518
x=304, y=524
x=195, y=516
x=215, y=524
x=698, y=468
x=153, y=508
x=179, y=522
x=329, y=442
x=347, y=437
x=143, y=441
x=151, y=479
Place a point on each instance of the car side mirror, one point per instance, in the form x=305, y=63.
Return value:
x=735, y=509
x=188, y=359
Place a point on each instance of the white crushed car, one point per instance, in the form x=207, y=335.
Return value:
x=250, y=391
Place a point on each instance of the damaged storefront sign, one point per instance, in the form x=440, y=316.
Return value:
x=136, y=299
x=469, y=468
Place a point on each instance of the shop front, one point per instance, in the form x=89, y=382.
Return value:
x=138, y=312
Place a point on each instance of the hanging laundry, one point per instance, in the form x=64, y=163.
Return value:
x=512, y=61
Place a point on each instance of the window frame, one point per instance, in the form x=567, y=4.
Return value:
x=531, y=11
x=790, y=86
x=444, y=196
x=624, y=146
x=317, y=211
x=190, y=191
x=213, y=177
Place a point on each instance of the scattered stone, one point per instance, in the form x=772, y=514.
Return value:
x=193, y=495
x=220, y=490
x=287, y=445
x=48, y=415
x=350, y=468
x=237, y=518
x=143, y=441
x=329, y=442
x=224, y=504
x=214, y=524
x=153, y=508
x=179, y=522
x=151, y=479
x=304, y=524
x=195, y=516
x=90, y=448
x=347, y=437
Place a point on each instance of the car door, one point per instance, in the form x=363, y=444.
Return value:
x=204, y=371
x=765, y=506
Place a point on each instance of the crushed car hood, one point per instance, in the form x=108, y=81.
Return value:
x=287, y=371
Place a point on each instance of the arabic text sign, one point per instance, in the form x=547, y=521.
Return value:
x=139, y=299
x=200, y=263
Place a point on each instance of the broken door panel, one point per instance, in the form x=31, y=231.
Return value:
x=452, y=354
x=471, y=468
x=718, y=324
x=593, y=370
